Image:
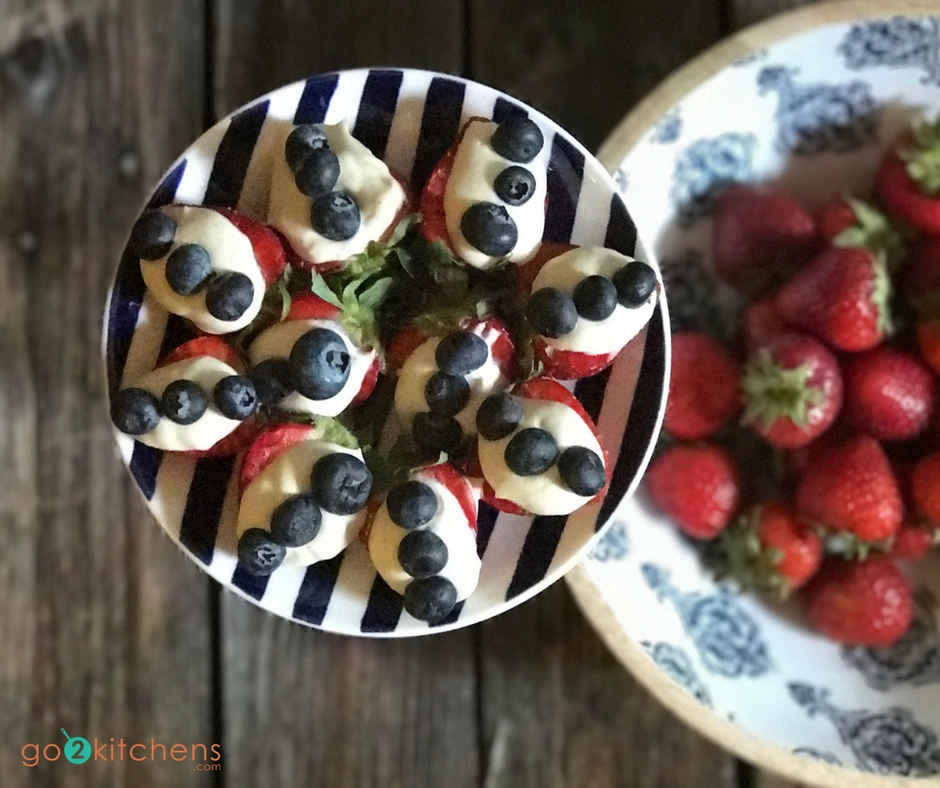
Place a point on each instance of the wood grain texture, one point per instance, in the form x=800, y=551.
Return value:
x=585, y=64
x=263, y=44
x=103, y=627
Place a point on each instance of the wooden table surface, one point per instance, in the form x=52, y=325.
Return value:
x=105, y=628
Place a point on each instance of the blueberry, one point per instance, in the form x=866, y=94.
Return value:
x=135, y=411
x=319, y=364
x=551, y=312
x=229, y=295
x=318, y=173
x=430, y=599
x=422, y=554
x=184, y=402
x=297, y=521
x=446, y=395
x=531, y=452
x=341, y=483
x=258, y=553
x=152, y=235
x=517, y=139
x=489, y=228
x=411, y=504
x=188, y=269
x=235, y=397
x=635, y=282
x=582, y=471
x=498, y=416
x=335, y=216
x=301, y=142
x=437, y=433
x=461, y=352
x=515, y=185
x=272, y=380
x=595, y=298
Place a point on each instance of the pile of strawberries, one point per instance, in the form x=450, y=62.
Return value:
x=804, y=450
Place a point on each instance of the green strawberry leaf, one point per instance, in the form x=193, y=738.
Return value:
x=394, y=465
x=377, y=253
x=923, y=162
x=773, y=392
x=872, y=231
x=881, y=294
x=333, y=431
x=319, y=286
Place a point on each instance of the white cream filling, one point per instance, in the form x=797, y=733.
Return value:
x=600, y=337
x=420, y=366
x=476, y=166
x=287, y=475
x=364, y=176
x=449, y=523
x=545, y=493
x=229, y=250
x=277, y=342
x=211, y=427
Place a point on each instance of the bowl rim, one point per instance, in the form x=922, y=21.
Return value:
x=598, y=171
x=615, y=148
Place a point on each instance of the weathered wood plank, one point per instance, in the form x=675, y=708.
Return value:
x=303, y=707
x=585, y=64
x=103, y=625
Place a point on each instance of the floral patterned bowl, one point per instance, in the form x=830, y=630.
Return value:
x=807, y=101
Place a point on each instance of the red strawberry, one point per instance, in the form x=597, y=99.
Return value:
x=925, y=488
x=759, y=236
x=761, y=323
x=704, y=394
x=457, y=484
x=218, y=348
x=851, y=489
x=888, y=393
x=913, y=541
x=849, y=222
x=697, y=486
x=928, y=341
x=570, y=364
x=834, y=218
x=841, y=297
x=265, y=243
x=503, y=349
x=862, y=603
x=268, y=445
x=908, y=179
x=792, y=390
x=768, y=548
x=920, y=275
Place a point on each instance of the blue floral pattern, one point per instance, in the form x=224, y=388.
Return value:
x=820, y=117
x=914, y=659
x=891, y=741
x=705, y=167
x=622, y=179
x=668, y=128
x=676, y=664
x=728, y=640
x=613, y=545
x=898, y=42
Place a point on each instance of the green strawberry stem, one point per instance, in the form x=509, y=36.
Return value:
x=881, y=293
x=773, y=392
x=748, y=562
x=872, y=231
x=923, y=161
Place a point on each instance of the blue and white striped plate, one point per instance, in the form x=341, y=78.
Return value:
x=409, y=118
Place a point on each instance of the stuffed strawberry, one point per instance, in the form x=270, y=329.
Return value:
x=209, y=265
x=311, y=362
x=331, y=198
x=485, y=200
x=792, y=389
x=423, y=541
x=841, y=297
x=443, y=381
x=585, y=305
x=539, y=451
x=304, y=490
x=704, y=387
x=908, y=180
x=197, y=400
x=769, y=549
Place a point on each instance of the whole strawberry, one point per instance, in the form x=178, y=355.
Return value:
x=888, y=393
x=840, y=297
x=697, y=486
x=759, y=236
x=769, y=549
x=704, y=392
x=860, y=603
x=761, y=322
x=925, y=488
x=792, y=389
x=850, y=489
x=848, y=222
x=908, y=179
x=913, y=541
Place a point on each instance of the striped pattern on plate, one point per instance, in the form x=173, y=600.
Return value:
x=409, y=118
